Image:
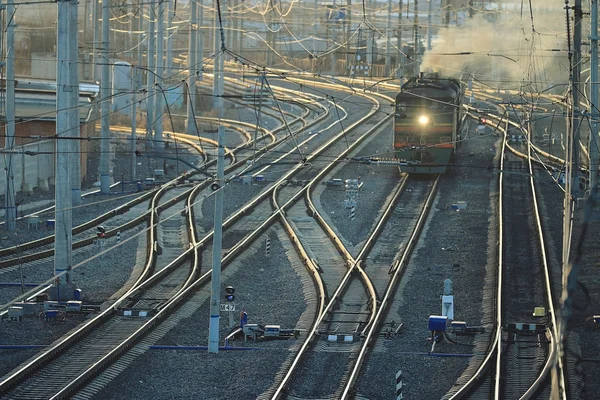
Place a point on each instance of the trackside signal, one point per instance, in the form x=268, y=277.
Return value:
x=229, y=293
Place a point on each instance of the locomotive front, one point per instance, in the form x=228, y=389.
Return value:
x=426, y=124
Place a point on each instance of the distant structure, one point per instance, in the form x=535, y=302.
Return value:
x=35, y=114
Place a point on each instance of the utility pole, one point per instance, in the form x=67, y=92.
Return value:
x=400, y=60
x=10, y=207
x=160, y=62
x=134, y=92
x=63, y=215
x=86, y=72
x=169, y=65
x=332, y=23
x=150, y=79
x=593, y=143
x=417, y=58
x=571, y=169
x=219, y=62
x=429, y=11
x=96, y=15
x=315, y=34
x=105, y=99
x=192, y=68
x=348, y=28
x=258, y=113
x=200, y=40
x=215, y=296
x=388, y=35
x=578, y=21
x=74, y=104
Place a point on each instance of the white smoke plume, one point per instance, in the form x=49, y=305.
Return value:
x=500, y=49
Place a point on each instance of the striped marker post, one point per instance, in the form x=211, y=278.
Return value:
x=118, y=236
x=268, y=247
x=352, y=213
x=399, y=385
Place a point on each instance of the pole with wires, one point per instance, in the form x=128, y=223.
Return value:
x=134, y=90
x=215, y=296
x=160, y=62
x=200, y=40
x=593, y=143
x=96, y=35
x=74, y=104
x=417, y=50
x=388, y=50
x=105, y=99
x=150, y=78
x=429, y=28
x=10, y=207
x=63, y=215
x=169, y=57
x=578, y=22
x=400, y=61
x=192, y=68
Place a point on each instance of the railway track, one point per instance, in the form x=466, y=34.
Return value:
x=522, y=347
x=64, y=343
x=244, y=152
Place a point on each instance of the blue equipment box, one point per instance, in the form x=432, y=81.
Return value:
x=437, y=323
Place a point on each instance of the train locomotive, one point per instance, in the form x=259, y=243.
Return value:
x=427, y=123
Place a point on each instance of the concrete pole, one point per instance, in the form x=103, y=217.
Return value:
x=169, y=63
x=369, y=60
x=96, y=15
x=315, y=34
x=400, y=60
x=192, y=67
x=417, y=60
x=160, y=62
x=578, y=21
x=74, y=104
x=150, y=79
x=594, y=142
x=88, y=68
x=237, y=33
x=348, y=28
x=63, y=215
x=215, y=296
x=86, y=13
x=10, y=207
x=217, y=72
x=331, y=24
x=429, y=29
x=231, y=35
x=388, y=35
x=137, y=26
x=134, y=91
x=105, y=99
x=200, y=39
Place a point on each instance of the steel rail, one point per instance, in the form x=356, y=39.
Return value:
x=391, y=288
x=49, y=353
